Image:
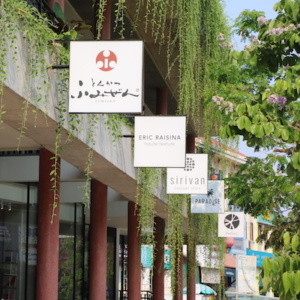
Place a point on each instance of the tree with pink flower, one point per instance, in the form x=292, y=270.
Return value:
x=268, y=116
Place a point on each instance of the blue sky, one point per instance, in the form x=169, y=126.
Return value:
x=233, y=8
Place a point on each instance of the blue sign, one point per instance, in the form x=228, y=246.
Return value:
x=147, y=258
x=260, y=256
x=266, y=219
x=230, y=272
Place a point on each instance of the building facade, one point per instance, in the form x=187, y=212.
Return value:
x=69, y=226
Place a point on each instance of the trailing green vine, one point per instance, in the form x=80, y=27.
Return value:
x=93, y=123
x=100, y=9
x=114, y=122
x=120, y=18
x=147, y=179
x=175, y=233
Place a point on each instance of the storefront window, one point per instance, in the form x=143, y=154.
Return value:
x=111, y=267
x=123, y=258
x=71, y=252
x=18, y=240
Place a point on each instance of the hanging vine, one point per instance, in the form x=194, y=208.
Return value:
x=19, y=16
x=147, y=180
x=175, y=233
x=93, y=123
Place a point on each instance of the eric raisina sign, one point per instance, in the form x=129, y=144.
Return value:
x=159, y=141
x=106, y=77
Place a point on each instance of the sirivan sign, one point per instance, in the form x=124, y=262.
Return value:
x=106, y=77
x=192, y=179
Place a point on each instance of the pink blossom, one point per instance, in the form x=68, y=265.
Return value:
x=262, y=20
x=277, y=100
x=272, y=98
x=221, y=37
x=226, y=45
x=226, y=106
x=280, y=30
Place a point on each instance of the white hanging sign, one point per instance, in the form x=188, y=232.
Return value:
x=159, y=141
x=212, y=202
x=192, y=179
x=106, y=77
x=231, y=224
x=246, y=274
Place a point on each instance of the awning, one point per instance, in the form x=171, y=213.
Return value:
x=202, y=289
x=229, y=261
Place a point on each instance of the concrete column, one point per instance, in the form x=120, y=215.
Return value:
x=190, y=144
x=48, y=229
x=98, y=241
x=158, y=285
x=162, y=101
x=98, y=226
x=158, y=264
x=191, y=276
x=134, y=254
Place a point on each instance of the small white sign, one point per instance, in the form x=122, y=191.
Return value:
x=246, y=274
x=106, y=77
x=209, y=275
x=212, y=202
x=159, y=141
x=192, y=179
x=208, y=257
x=231, y=224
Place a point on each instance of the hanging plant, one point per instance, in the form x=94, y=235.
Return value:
x=100, y=7
x=93, y=123
x=120, y=18
x=175, y=233
x=20, y=17
x=114, y=122
x=147, y=180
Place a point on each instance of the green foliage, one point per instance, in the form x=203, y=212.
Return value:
x=147, y=179
x=268, y=114
x=189, y=31
x=261, y=185
x=113, y=123
x=66, y=270
x=175, y=234
x=282, y=273
x=271, y=234
x=246, y=23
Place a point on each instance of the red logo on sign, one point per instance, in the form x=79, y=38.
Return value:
x=106, y=60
